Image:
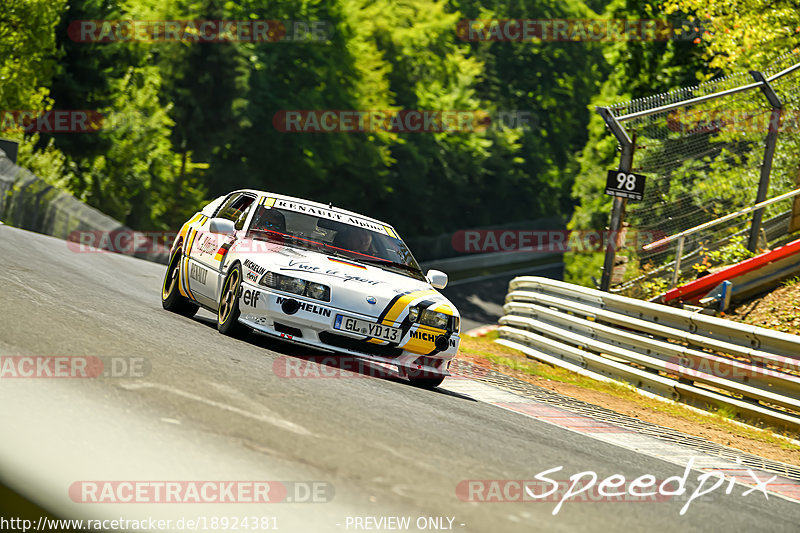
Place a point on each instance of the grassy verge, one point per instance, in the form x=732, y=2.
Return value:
x=716, y=426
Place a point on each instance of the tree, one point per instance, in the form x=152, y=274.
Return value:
x=641, y=68
x=745, y=35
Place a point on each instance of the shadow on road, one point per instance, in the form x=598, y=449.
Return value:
x=307, y=362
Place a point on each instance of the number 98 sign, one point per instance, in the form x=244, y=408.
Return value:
x=625, y=184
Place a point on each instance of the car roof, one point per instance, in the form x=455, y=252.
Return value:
x=329, y=207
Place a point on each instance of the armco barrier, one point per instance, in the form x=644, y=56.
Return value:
x=28, y=202
x=686, y=356
x=784, y=259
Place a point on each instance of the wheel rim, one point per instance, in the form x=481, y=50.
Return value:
x=171, y=279
x=228, y=296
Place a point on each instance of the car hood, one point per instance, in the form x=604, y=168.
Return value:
x=353, y=285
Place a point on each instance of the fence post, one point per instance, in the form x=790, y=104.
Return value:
x=769, y=152
x=678, y=253
x=618, y=207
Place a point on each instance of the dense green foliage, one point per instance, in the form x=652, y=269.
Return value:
x=642, y=69
x=735, y=38
x=187, y=121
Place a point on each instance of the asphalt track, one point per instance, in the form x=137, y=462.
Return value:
x=212, y=408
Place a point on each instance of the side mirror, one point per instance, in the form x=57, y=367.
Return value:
x=437, y=278
x=222, y=226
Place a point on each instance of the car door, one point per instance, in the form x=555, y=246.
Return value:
x=207, y=251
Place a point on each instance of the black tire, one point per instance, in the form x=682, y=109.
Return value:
x=171, y=297
x=427, y=382
x=228, y=311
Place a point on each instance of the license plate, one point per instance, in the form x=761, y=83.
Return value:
x=362, y=327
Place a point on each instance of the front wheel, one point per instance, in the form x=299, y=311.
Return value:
x=171, y=297
x=228, y=312
x=427, y=383
x=424, y=379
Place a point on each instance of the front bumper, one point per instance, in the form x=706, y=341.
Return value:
x=312, y=324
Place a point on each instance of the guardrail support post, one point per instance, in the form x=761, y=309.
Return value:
x=769, y=152
x=678, y=254
x=618, y=207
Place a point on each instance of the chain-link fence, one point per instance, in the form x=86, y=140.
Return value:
x=703, y=159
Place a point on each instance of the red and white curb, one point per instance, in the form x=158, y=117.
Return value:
x=619, y=436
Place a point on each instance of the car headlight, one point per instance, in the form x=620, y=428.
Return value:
x=293, y=285
x=433, y=319
x=318, y=291
x=298, y=286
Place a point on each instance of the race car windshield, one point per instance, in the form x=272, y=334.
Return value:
x=335, y=238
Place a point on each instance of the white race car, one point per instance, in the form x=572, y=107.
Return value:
x=315, y=275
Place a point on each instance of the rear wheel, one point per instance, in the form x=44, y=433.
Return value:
x=171, y=297
x=228, y=312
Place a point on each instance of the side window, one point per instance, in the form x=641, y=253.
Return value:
x=236, y=209
x=226, y=206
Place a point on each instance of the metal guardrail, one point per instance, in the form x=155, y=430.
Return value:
x=681, y=236
x=685, y=356
x=775, y=232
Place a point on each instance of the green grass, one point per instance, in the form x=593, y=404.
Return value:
x=791, y=281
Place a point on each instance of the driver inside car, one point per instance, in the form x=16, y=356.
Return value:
x=268, y=219
x=354, y=240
